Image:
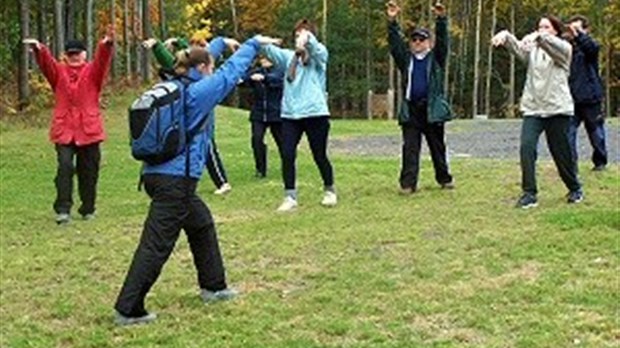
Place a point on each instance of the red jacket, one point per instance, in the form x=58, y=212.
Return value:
x=76, y=116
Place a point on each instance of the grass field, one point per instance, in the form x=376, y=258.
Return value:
x=459, y=268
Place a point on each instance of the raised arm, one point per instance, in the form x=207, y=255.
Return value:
x=442, y=40
x=211, y=90
x=514, y=46
x=46, y=61
x=558, y=49
x=279, y=56
x=103, y=58
x=316, y=50
x=588, y=46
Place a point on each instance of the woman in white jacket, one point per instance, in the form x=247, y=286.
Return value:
x=546, y=104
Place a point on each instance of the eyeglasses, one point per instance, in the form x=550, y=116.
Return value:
x=73, y=53
x=418, y=39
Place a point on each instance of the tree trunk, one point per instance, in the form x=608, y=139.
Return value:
x=89, y=27
x=233, y=11
x=368, y=62
x=137, y=35
x=147, y=33
x=114, y=56
x=446, y=77
x=324, y=31
x=42, y=21
x=22, y=76
x=511, y=98
x=474, y=110
x=162, y=20
x=487, y=94
x=59, y=33
x=126, y=39
x=69, y=20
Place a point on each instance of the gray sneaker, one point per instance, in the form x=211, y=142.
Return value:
x=122, y=320
x=87, y=217
x=217, y=296
x=63, y=219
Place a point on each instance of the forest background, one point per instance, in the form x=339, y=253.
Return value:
x=362, y=77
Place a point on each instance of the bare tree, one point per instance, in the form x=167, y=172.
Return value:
x=148, y=32
x=162, y=20
x=137, y=35
x=69, y=20
x=126, y=39
x=487, y=94
x=59, y=33
x=511, y=98
x=22, y=77
x=89, y=27
x=42, y=21
x=477, y=60
x=114, y=55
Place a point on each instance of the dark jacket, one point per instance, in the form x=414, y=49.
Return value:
x=438, y=107
x=584, y=80
x=267, y=94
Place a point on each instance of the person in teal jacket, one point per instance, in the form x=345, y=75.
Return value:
x=166, y=59
x=424, y=109
x=172, y=188
x=304, y=109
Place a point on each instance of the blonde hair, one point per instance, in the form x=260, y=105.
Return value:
x=189, y=58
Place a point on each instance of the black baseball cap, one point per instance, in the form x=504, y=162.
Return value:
x=421, y=33
x=74, y=46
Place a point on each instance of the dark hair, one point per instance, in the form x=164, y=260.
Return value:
x=305, y=24
x=556, y=23
x=584, y=21
x=189, y=58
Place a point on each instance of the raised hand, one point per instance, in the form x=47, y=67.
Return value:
x=499, y=39
x=257, y=77
x=33, y=43
x=267, y=40
x=109, y=34
x=392, y=10
x=149, y=43
x=232, y=44
x=439, y=10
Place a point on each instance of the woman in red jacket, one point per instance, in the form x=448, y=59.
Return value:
x=77, y=125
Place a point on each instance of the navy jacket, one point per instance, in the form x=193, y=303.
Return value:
x=267, y=94
x=584, y=80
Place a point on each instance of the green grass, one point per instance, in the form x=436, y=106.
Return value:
x=458, y=268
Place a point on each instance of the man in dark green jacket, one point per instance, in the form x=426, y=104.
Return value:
x=424, y=108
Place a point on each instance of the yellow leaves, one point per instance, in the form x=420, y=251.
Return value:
x=198, y=20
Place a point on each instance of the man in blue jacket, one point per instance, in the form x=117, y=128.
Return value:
x=267, y=83
x=424, y=109
x=172, y=188
x=587, y=90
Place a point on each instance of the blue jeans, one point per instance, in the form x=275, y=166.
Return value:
x=594, y=123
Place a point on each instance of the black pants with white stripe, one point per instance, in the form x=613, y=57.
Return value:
x=215, y=167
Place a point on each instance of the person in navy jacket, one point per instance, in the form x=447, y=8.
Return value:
x=172, y=188
x=587, y=90
x=267, y=83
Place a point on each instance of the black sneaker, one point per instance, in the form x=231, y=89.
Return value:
x=599, y=168
x=574, y=197
x=448, y=185
x=527, y=201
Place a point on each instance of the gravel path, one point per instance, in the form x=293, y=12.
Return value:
x=475, y=138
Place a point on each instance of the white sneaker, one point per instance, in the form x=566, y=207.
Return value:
x=288, y=204
x=329, y=199
x=224, y=189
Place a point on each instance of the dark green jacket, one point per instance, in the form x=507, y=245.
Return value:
x=166, y=58
x=438, y=107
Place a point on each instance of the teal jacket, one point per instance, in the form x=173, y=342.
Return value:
x=306, y=95
x=438, y=107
